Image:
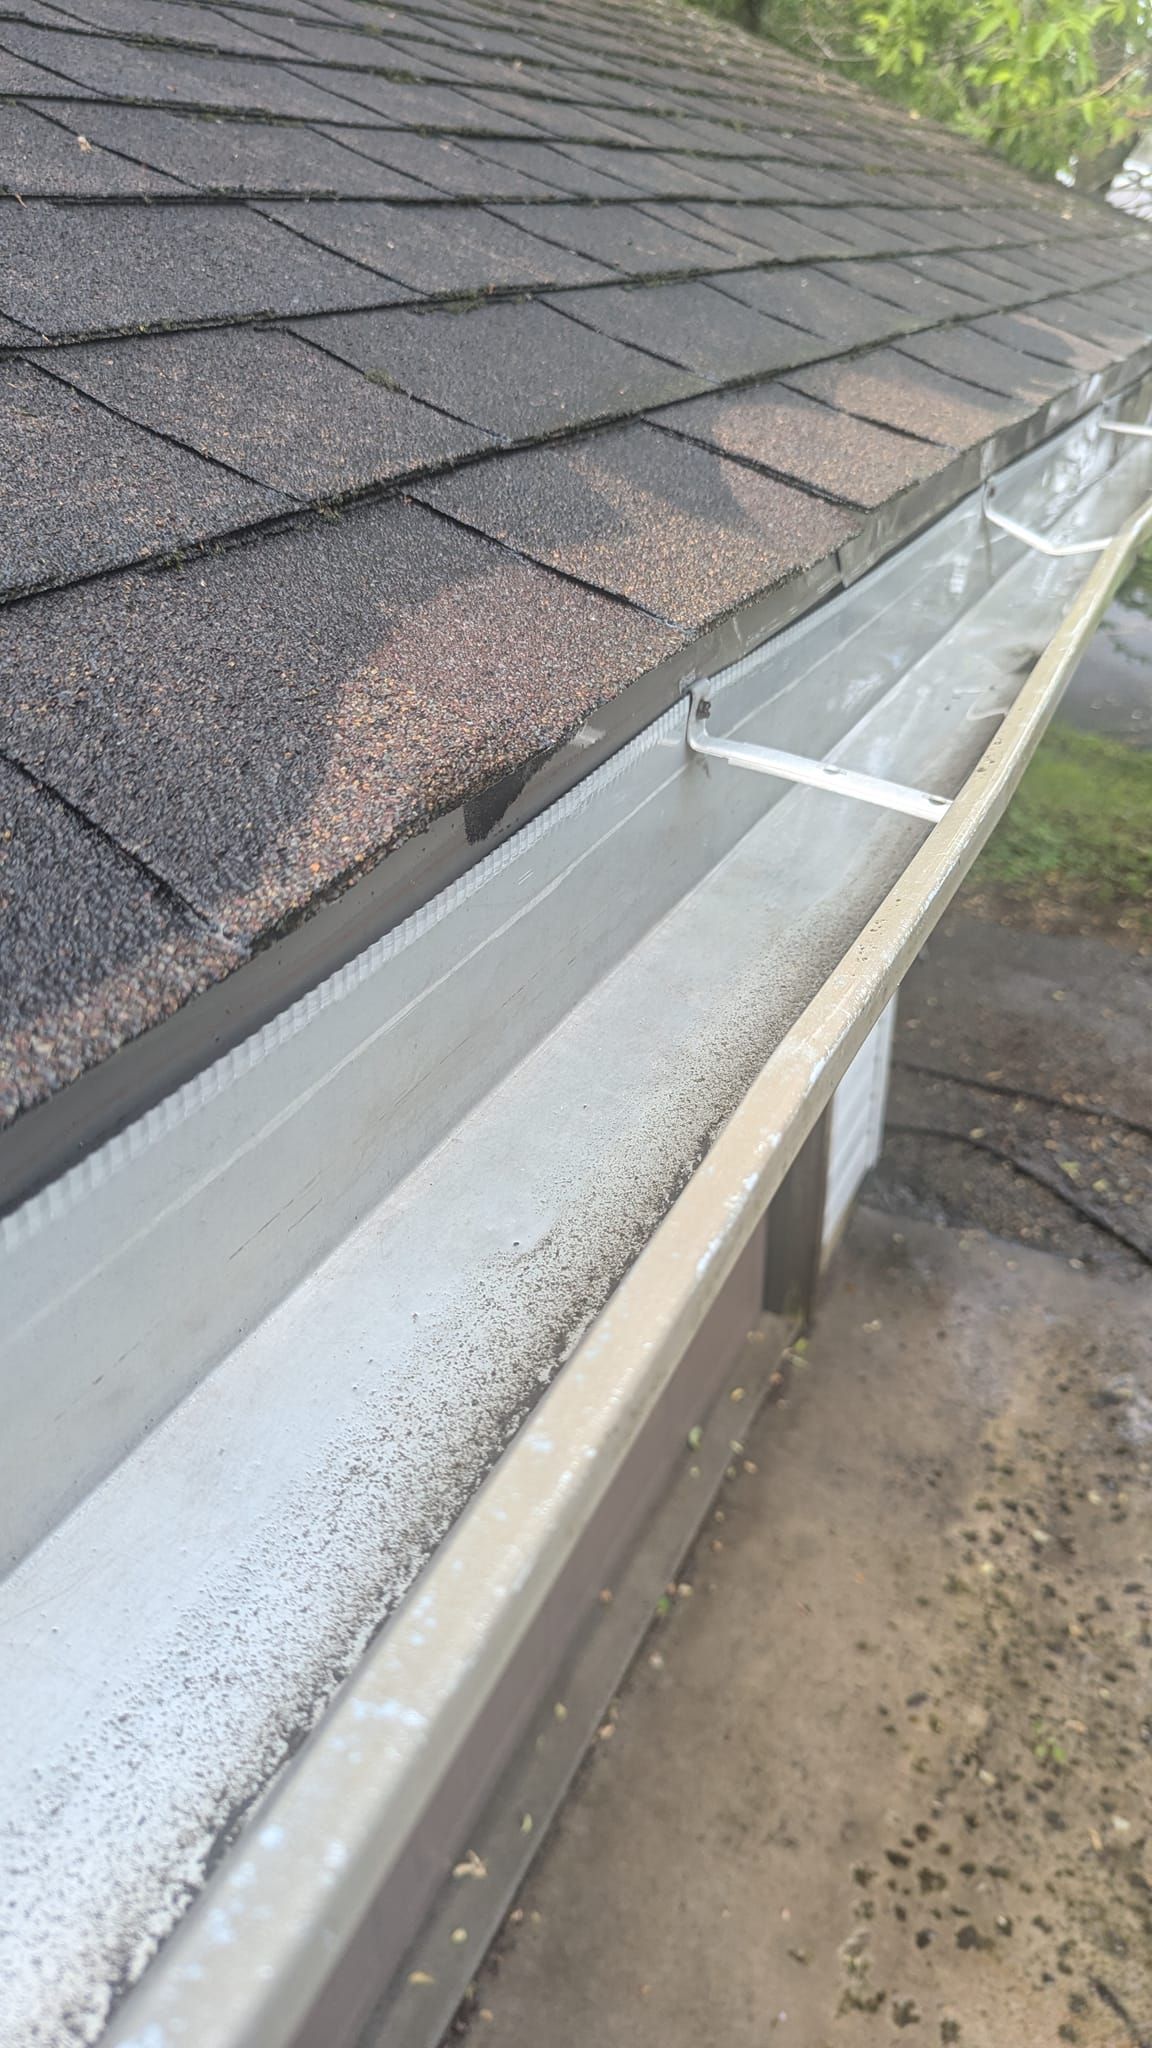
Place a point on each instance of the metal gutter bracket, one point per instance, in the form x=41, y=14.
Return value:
x=866, y=789
x=1040, y=541
x=1124, y=427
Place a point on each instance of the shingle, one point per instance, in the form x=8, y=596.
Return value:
x=1036, y=268
x=816, y=151
x=861, y=234
x=356, y=49
x=91, y=952
x=737, y=175
x=1132, y=299
x=463, y=29
x=888, y=188
x=926, y=296
x=722, y=245
x=823, y=187
x=85, y=491
x=472, y=69
x=463, y=170
x=961, y=352
x=17, y=75
x=647, y=171
x=203, y=27
x=878, y=229
x=270, y=406
x=263, y=722
x=324, y=12
x=969, y=274
x=81, y=270
x=173, y=77
x=624, y=237
x=1036, y=336
x=1096, y=323
x=818, y=302
x=505, y=113
x=216, y=154
x=429, y=13
x=714, y=137
x=566, y=175
x=788, y=235
x=520, y=370
x=39, y=159
x=526, y=72
x=42, y=14
x=1020, y=225
x=400, y=105
x=454, y=249
x=615, y=89
x=695, y=326
x=981, y=227
x=770, y=425
x=1079, y=267
x=895, y=391
x=541, y=169
x=655, y=519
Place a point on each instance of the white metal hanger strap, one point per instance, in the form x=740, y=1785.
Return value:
x=866, y=789
x=1040, y=541
x=1126, y=427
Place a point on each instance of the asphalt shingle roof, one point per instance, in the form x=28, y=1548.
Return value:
x=269, y=406
x=821, y=302
x=254, y=724
x=892, y=388
x=84, y=488
x=210, y=153
x=457, y=357
x=78, y=916
x=782, y=432
x=673, y=527
x=694, y=325
x=616, y=321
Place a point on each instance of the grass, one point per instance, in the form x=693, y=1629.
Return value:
x=1078, y=836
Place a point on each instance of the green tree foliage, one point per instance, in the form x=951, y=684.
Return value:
x=1054, y=85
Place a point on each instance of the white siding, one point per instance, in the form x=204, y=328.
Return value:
x=857, y=1132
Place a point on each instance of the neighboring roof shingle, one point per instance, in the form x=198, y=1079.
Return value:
x=41, y=160
x=624, y=238
x=458, y=249
x=176, y=78
x=72, y=271
x=965, y=353
x=670, y=526
x=214, y=153
x=820, y=302
x=257, y=725
x=1044, y=338
x=1096, y=322
x=270, y=406
x=896, y=391
x=86, y=490
x=522, y=371
x=792, y=436
x=693, y=325
x=259, y=261
x=91, y=950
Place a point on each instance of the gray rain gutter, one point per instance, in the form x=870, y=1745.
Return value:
x=593, y=1062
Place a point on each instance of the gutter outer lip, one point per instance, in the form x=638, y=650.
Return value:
x=253, y=1959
